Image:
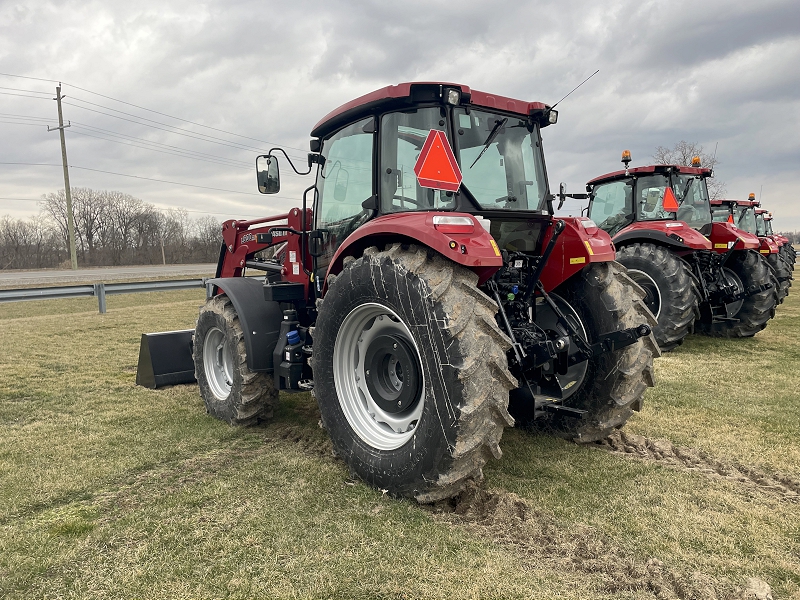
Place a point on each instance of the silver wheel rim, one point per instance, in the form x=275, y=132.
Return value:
x=546, y=318
x=218, y=363
x=732, y=278
x=358, y=335
x=652, y=294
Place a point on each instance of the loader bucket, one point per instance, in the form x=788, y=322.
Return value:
x=165, y=358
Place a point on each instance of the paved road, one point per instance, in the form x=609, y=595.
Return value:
x=45, y=277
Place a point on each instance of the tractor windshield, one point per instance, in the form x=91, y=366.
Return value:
x=692, y=195
x=768, y=226
x=761, y=229
x=650, y=191
x=746, y=218
x=501, y=160
x=720, y=214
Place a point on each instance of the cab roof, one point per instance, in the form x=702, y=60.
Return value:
x=410, y=93
x=745, y=203
x=649, y=170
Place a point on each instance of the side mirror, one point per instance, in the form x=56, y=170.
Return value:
x=562, y=194
x=268, y=174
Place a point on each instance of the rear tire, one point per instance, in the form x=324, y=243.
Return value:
x=750, y=269
x=669, y=290
x=452, y=391
x=230, y=390
x=782, y=273
x=615, y=382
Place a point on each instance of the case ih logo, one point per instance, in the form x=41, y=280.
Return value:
x=248, y=237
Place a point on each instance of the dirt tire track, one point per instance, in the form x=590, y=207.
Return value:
x=779, y=485
x=507, y=519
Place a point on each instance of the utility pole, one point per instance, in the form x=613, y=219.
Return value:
x=70, y=221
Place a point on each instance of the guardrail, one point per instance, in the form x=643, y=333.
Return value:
x=101, y=290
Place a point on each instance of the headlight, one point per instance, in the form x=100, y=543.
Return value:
x=552, y=116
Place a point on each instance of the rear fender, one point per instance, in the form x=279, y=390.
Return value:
x=673, y=234
x=723, y=235
x=580, y=244
x=260, y=319
x=474, y=249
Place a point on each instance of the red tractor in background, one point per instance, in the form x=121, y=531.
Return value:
x=742, y=213
x=764, y=219
x=424, y=285
x=695, y=272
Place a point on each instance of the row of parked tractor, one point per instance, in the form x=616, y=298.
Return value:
x=710, y=266
x=428, y=296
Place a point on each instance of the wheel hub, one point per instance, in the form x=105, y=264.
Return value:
x=652, y=297
x=392, y=373
x=378, y=376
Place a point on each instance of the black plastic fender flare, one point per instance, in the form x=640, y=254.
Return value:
x=649, y=237
x=260, y=319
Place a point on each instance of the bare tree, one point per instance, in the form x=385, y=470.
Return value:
x=682, y=154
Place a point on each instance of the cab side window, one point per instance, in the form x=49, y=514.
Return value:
x=343, y=183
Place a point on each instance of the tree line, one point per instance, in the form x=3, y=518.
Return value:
x=111, y=228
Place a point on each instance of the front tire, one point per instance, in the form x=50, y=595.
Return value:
x=669, y=290
x=410, y=372
x=230, y=390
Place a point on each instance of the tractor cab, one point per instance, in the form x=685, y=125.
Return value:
x=648, y=195
x=437, y=151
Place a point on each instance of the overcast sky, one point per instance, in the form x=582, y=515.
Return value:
x=723, y=74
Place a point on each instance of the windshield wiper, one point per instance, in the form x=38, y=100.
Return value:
x=490, y=138
x=686, y=190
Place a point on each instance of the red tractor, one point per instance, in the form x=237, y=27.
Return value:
x=423, y=285
x=743, y=214
x=693, y=270
x=764, y=219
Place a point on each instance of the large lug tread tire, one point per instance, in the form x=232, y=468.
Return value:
x=615, y=382
x=757, y=309
x=782, y=275
x=251, y=396
x=676, y=291
x=462, y=356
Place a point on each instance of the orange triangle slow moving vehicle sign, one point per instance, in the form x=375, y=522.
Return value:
x=670, y=203
x=730, y=219
x=436, y=166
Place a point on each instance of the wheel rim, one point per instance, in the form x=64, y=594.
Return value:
x=731, y=278
x=378, y=377
x=218, y=363
x=652, y=298
x=546, y=318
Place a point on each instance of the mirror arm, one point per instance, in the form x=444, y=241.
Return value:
x=289, y=160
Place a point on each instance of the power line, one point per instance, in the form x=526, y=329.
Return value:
x=26, y=77
x=148, y=110
x=171, y=153
x=196, y=137
x=144, y=178
x=178, y=118
x=31, y=91
x=24, y=96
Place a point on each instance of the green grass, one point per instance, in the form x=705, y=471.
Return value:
x=109, y=490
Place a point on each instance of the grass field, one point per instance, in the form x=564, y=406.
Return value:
x=108, y=490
